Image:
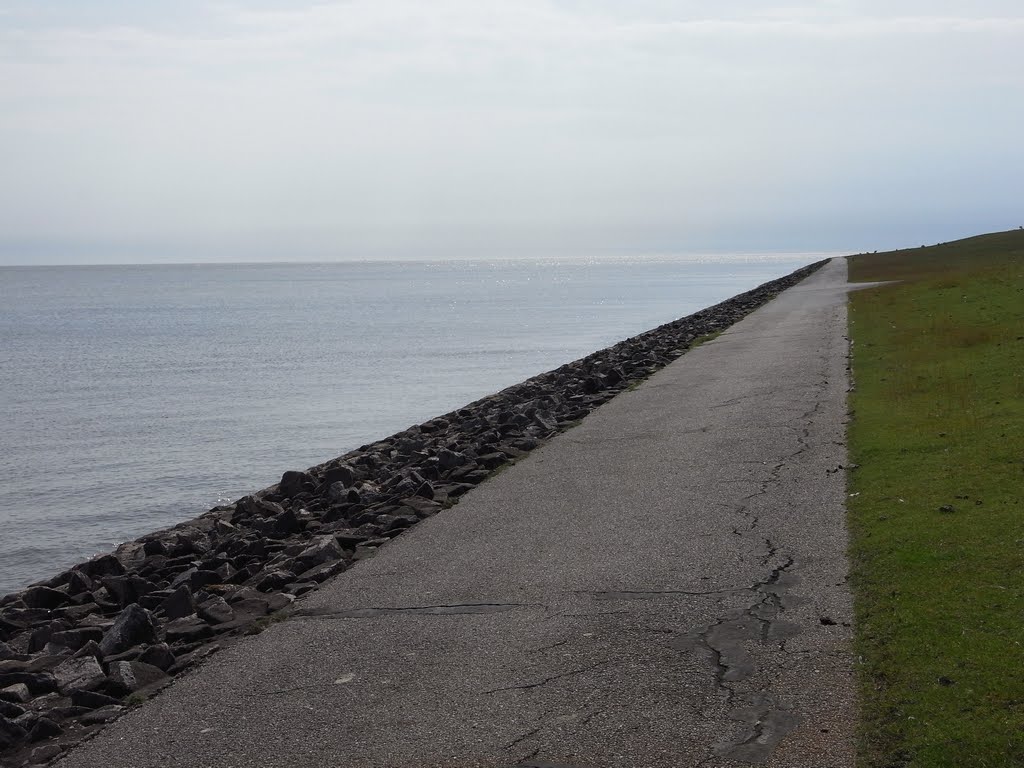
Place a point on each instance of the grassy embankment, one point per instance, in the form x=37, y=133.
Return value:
x=937, y=511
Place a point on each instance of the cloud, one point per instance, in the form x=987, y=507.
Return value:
x=351, y=128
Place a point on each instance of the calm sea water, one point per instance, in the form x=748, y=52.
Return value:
x=134, y=397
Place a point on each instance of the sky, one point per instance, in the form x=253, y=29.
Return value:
x=140, y=131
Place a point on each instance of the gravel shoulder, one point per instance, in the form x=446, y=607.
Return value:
x=663, y=585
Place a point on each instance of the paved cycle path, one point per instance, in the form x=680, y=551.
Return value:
x=662, y=586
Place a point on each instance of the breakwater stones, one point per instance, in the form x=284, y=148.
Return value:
x=78, y=650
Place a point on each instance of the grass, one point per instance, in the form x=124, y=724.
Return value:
x=706, y=338
x=937, y=506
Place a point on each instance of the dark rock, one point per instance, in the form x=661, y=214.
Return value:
x=159, y=656
x=37, y=682
x=179, y=603
x=11, y=734
x=91, y=648
x=270, y=580
x=251, y=607
x=134, y=625
x=105, y=565
x=79, y=674
x=323, y=572
x=324, y=549
x=40, y=637
x=187, y=630
x=340, y=474
x=337, y=493
x=293, y=483
x=45, y=754
x=279, y=601
x=131, y=676
x=225, y=572
x=76, y=638
x=92, y=699
x=127, y=589
x=492, y=460
x=75, y=613
x=79, y=583
x=46, y=662
x=215, y=611
x=156, y=547
x=255, y=507
x=17, y=693
x=202, y=578
x=244, y=593
x=10, y=709
x=155, y=599
x=44, y=728
x=420, y=506
x=44, y=597
x=102, y=715
x=185, y=577
x=132, y=654
x=450, y=459
x=6, y=652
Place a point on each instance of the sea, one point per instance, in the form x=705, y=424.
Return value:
x=136, y=397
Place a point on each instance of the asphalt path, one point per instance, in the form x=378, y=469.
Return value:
x=662, y=586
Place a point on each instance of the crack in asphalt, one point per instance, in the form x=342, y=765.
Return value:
x=546, y=680
x=630, y=594
x=723, y=642
x=454, y=609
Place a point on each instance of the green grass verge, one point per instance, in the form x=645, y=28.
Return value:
x=937, y=503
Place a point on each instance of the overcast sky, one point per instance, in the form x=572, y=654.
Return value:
x=192, y=131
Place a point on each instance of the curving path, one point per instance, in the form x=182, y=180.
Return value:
x=662, y=586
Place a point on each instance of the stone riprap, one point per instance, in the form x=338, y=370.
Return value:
x=79, y=649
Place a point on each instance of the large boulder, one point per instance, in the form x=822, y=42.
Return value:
x=11, y=734
x=15, y=694
x=158, y=655
x=44, y=597
x=78, y=674
x=324, y=549
x=131, y=676
x=127, y=589
x=293, y=483
x=179, y=603
x=215, y=611
x=104, y=565
x=134, y=625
